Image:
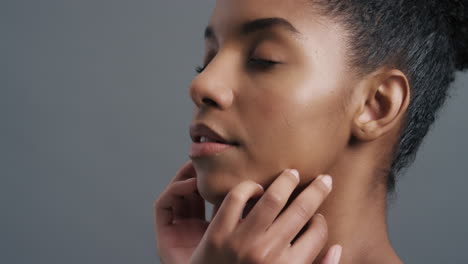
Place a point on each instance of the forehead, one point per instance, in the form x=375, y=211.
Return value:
x=228, y=14
x=259, y=7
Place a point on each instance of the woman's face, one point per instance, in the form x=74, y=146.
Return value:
x=290, y=114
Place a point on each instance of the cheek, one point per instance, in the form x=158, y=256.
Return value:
x=301, y=129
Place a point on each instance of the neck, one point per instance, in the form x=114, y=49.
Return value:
x=355, y=210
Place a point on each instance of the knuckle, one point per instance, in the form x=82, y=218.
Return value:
x=252, y=252
x=273, y=200
x=240, y=192
x=214, y=241
x=256, y=255
x=275, y=256
x=283, y=260
x=235, y=196
x=301, y=210
x=231, y=247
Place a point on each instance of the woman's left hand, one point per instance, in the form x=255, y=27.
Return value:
x=266, y=234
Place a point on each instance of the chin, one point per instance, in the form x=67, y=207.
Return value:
x=214, y=187
x=215, y=182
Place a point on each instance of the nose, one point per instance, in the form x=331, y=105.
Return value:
x=212, y=88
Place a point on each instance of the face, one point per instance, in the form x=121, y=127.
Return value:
x=278, y=87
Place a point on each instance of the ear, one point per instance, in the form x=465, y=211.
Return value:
x=384, y=99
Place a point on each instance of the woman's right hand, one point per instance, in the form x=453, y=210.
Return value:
x=179, y=214
x=268, y=234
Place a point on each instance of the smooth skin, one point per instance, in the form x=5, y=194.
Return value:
x=292, y=100
x=263, y=235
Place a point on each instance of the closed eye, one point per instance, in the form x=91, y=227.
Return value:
x=253, y=62
x=261, y=63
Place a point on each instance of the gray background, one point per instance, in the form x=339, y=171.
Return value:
x=94, y=116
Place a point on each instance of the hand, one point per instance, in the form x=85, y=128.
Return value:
x=263, y=236
x=179, y=217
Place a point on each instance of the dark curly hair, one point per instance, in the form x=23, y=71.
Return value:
x=425, y=39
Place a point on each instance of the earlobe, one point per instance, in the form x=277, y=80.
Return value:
x=385, y=99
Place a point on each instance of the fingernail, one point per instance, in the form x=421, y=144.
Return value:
x=260, y=186
x=337, y=254
x=327, y=180
x=295, y=173
x=320, y=215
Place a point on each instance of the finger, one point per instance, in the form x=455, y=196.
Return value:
x=308, y=246
x=291, y=221
x=180, y=208
x=186, y=171
x=232, y=206
x=272, y=202
x=169, y=203
x=189, y=206
x=333, y=255
x=196, y=205
x=166, y=215
x=193, y=201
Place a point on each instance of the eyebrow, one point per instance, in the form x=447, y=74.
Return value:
x=256, y=25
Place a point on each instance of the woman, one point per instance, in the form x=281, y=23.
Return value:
x=291, y=93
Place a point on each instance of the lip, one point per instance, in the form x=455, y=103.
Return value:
x=207, y=149
x=199, y=149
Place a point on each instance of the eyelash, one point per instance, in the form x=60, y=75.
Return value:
x=254, y=62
